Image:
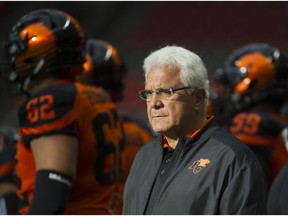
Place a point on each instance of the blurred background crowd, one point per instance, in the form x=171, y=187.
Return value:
x=210, y=29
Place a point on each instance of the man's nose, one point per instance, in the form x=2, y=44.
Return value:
x=156, y=100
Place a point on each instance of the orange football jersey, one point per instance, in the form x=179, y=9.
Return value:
x=262, y=132
x=87, y=113
x=137, y=133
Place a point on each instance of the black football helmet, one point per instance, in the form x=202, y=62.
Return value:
x=104, y=67
x=44, y=41
x=254, y=73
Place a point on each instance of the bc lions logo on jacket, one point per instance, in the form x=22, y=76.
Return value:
x=197, y=166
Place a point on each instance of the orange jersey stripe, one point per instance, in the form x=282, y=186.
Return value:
x=60, y=123
x=256, y=140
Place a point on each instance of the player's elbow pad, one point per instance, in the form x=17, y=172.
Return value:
x=51, y=193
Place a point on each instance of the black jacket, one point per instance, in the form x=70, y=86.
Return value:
x=213, y=173
x=278, y=196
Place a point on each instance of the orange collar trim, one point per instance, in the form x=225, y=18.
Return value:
x=208, y=119
x=164, y=141
x=190, y=135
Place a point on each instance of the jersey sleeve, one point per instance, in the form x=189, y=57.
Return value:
x=48, y=112
x=257, y=129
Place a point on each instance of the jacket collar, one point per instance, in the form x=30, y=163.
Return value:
x=208, y=124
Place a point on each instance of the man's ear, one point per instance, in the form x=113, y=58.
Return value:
x=200, y=96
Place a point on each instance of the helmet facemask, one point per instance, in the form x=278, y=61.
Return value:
x=256, y=73
x=42, y=42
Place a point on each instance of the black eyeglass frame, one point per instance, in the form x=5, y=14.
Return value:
x=159, y=90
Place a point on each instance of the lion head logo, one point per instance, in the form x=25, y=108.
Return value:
x=197, y=166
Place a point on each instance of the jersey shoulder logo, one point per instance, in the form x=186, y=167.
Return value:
x=198, y=165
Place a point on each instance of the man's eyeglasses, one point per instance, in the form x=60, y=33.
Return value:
x=163, y=93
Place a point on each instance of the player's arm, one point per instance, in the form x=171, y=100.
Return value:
x=56, y=164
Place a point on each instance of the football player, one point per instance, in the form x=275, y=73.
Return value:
x=257, y=77
x=71, y=136
x=105, y=67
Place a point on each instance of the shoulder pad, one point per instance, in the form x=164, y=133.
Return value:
x=47, y=105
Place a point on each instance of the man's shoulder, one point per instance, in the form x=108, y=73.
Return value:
x=152, y=147
x=94, y=94
x=231, y=146
x=61, y=93
x=47, y=105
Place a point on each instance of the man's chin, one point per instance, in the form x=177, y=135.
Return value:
x=159, y=130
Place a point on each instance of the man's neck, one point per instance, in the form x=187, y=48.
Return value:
x=173, y=140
